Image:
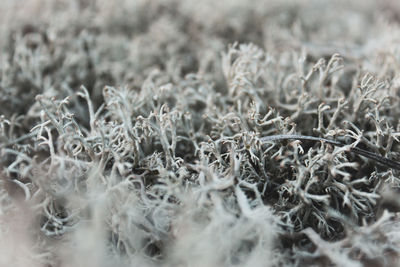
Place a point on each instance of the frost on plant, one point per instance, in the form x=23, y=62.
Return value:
x=184, y=133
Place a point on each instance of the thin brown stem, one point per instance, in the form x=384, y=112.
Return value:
x=370, y=155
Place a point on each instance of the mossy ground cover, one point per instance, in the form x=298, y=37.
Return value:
x=163, y=133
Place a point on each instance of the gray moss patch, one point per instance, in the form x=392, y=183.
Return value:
x=199, y=133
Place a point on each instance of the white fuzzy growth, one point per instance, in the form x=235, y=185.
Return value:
x=154, y=133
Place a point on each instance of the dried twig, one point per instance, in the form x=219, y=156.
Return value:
x=382, y=160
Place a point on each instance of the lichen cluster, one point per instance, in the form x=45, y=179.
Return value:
x=132, y=133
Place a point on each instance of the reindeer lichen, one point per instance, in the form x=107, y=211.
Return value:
x=199, y=133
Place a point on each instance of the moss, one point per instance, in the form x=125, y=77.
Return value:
x=184, y=133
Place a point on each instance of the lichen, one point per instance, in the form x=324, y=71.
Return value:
x=196, y=133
